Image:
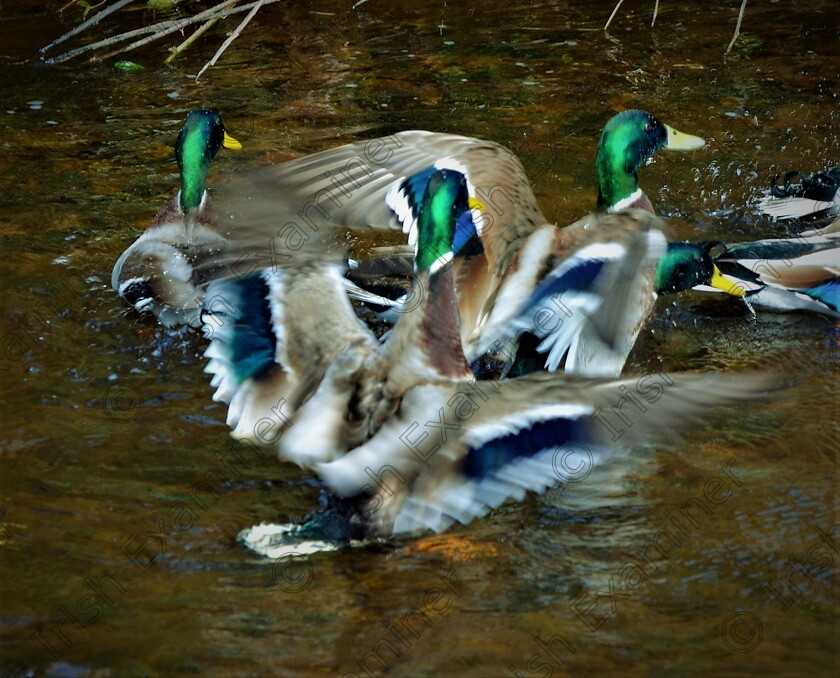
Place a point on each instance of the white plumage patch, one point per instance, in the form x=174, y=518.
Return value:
x=602, y=251
x=275, y=282
x=794, y=208
x=569, y=314
x=441, y=262
x=276, y=541
x=516, y=291
x=624, y=203
x=396, y=199
x=461, y=500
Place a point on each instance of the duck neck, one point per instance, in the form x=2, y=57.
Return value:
x=618, y=183
x=425, y=345
x=440, y=323
x=193, y=178
x=194, y=154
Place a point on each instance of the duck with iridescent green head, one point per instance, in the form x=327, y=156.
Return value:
x=628, y=140
x=401, y=435
x=156, y=273
x=786, y=274
x=515, y=264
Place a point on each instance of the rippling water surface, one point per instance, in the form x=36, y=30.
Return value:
x=117, y=561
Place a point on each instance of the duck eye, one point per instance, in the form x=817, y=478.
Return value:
x=648, y=128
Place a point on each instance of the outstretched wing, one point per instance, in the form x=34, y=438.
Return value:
x=273, y=337
x=453, y=454
x=590, y=308
x=346, y=187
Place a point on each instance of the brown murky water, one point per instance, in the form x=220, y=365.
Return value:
x=116, y=560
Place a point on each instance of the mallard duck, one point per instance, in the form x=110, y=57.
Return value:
x=402, y=435
x=808, y=195
x=289, y=338
x=509, y=248
x=452, y=453
x=156, y=272
x=785, y=274
x=799, y=273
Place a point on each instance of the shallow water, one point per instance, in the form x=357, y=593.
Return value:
x=108, y=427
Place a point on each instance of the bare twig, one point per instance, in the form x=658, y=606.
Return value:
x=175, y=24
x=737, y=26
x=159, y=30
x=656, y=12
x=230, y=39
x=96, y=18
x=195, y=35
x=612, y=16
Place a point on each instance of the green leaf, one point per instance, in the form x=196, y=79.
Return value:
x=129, y=66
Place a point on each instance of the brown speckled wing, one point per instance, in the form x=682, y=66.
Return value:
x=346, y=186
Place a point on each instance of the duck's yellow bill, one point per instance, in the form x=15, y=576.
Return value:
x=230, y=142
x=475, y=204
x=725, y=285
x=680, y=141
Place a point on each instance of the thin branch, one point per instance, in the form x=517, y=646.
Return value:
x=160, y=30
x=96, y=18
x=174, y=26
x=154, y=28
x=612, y=16
x=195, y=35
x=230, y=39
x=737, y=26
x=655, y=12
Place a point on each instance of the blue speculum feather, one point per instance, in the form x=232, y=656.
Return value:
x=247, y=335
x=491, y=456
x=580, y=278
x=466, y=241
x=827, y=292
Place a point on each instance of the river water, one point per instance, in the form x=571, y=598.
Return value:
x=114, y=564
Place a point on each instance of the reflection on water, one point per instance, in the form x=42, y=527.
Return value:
x=121, y=495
